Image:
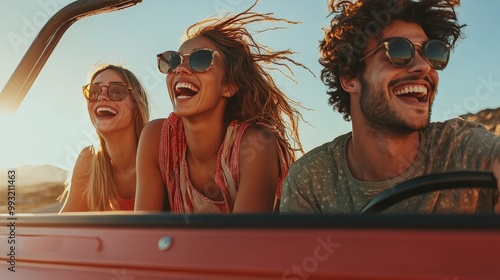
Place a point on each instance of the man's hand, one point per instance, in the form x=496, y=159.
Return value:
x=496, y=172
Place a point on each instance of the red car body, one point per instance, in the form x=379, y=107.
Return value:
x=129, y=246
x=167, y=246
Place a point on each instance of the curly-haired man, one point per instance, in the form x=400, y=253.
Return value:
x=381, y=60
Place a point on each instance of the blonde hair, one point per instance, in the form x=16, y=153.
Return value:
x=101, y=194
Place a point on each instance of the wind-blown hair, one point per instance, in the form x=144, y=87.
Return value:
x=101, y=194
x=354, y=24
x=246, y=63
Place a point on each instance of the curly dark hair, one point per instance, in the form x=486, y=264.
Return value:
x=355, y=23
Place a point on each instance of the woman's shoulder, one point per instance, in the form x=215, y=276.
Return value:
x=153, y=127
x=156, y=122
x=83, y=166
x=258, y=134
x=157, y=125
x=86, y=155
x=258, y=140
x=260, y=128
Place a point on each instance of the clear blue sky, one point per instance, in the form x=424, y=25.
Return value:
x=52, y=124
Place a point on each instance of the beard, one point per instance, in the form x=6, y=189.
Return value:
x=381, y=117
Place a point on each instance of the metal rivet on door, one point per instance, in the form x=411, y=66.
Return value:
x=164, y=243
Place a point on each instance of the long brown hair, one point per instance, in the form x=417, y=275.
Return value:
x=247, y=64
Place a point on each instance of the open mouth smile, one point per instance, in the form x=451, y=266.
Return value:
x=105, y=112
x=416, y=91
x=184, y=90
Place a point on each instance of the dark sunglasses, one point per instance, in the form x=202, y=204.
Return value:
x=116, y=91
x=401, y=51
x=199, y=60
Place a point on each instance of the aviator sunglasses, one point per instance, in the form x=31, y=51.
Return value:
x=401, y=51
x=116, y=91
x=199, y=60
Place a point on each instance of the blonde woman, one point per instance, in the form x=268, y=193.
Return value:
x=104, y=178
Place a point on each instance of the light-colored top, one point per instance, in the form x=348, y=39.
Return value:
x=321, y=182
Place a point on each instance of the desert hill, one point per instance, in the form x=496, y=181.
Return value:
x=490, y=118
x=35, y=186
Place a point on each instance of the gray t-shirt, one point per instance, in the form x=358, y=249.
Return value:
x=320, y=181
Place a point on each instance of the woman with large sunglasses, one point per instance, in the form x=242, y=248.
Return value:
x=227, y=145
x=104, y=177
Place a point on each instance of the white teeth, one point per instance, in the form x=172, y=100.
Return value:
x=183, y=96
x=108, y=109
x=187, y=86
x=412, y=89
